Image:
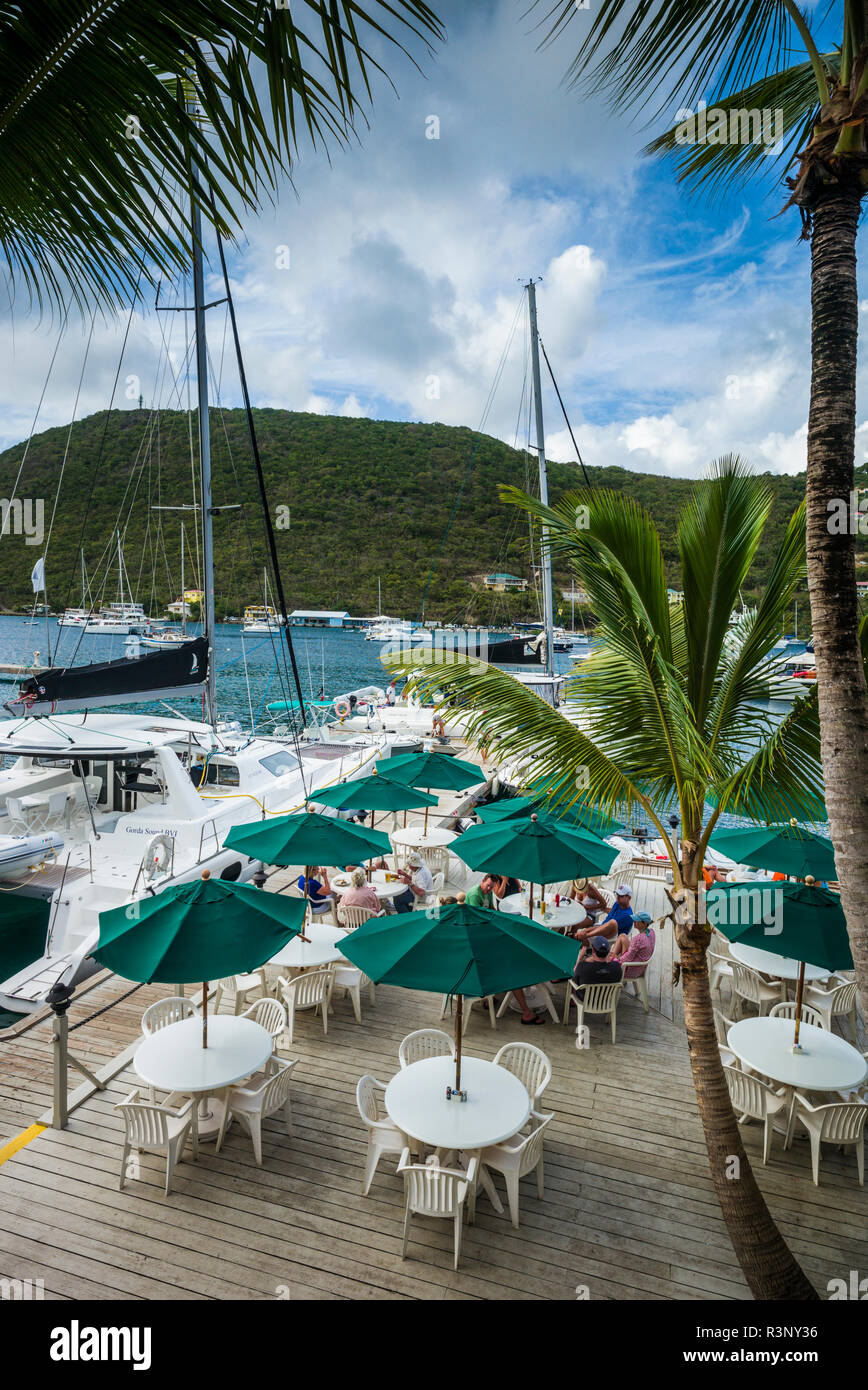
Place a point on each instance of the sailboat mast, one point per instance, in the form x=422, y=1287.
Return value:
x=183, y=590
x=204, y=440
x=546, y=559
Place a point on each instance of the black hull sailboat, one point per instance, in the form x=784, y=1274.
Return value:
x=157, y=676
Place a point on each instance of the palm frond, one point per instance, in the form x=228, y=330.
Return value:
x=715, y=167
x=95, y=127
x=718, y=533
x=784, y=777
x=676, y=49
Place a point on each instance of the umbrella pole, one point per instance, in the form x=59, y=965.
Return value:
x=459, y=1019
x=799, y=990
x=425, y=826
x=530, y=902
x=204, y=1013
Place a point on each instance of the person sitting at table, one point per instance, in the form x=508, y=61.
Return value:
x=505, y=887
x=419, y=881
x=438, y=728
x=588, y=896
x=593, y=966
x=361, y=893
x=637, y=948
x=618, y=921
x=483, y=894
x=319, y=891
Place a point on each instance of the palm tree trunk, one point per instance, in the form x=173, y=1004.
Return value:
x=767, y=1263
x=830, y=555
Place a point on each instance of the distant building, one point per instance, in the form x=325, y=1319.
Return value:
x=181, y=607
x=862, y=586
x=675, y=595
x=504, y=583
x=313, y=617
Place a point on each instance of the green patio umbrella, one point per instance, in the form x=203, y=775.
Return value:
x=306, y=838
x=811, y=918
x=440, y=771
x=540, y=850
x=373, y=793
x=785, y=849
x=520, y=807
x=201, y=930
x=460, y=950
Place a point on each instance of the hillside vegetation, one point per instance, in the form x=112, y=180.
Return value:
x=354, y=500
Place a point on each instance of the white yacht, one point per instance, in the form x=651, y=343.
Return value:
x=385, y=629
x=118, y=620
x=127, y=805
x=74, y=617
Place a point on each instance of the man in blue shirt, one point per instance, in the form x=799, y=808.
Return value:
x=618, y=922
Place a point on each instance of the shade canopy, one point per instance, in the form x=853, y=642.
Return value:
x=373, y=793
x=541, y=850
x=307, y=838
x=521, y=807
x=202, y=930
x=799, y=920
x=438, y=770
x=462, y=950
x=785, y=849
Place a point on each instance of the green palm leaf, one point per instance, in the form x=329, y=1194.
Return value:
x=95, y=131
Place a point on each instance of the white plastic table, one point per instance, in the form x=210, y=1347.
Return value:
x=341, y=884
x=768, y=963
x=174, y=1059
x=826, y=1063
x=415, y=837
x=321, y=949
x=497, y=1106
x=566, y=914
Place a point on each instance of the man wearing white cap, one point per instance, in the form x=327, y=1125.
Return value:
x=619, y=921
x=418, y=880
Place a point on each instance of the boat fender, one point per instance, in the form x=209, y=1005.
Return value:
x=495, y=783
x=158, y=856
x=342, y=708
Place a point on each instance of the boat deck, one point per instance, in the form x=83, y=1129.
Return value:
x=629, y=1210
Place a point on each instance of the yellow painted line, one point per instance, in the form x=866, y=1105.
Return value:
x=20, y=1140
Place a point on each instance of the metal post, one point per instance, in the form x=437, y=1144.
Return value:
x=548, y=596
x=59, y=998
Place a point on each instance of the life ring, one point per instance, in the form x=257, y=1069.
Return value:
x=342, y=708
x=158, y=857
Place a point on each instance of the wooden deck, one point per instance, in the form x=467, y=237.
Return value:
x=629, y=1210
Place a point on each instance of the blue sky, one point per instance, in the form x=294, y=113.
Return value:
x=678, y=330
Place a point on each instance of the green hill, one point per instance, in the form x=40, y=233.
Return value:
x=364, y=499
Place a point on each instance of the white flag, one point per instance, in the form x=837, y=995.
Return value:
x=37, y=577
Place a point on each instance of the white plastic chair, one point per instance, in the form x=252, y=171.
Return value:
x=240, y=988
x=749, y=985
x=437, y=860
x=307, y=991
x=530, y=1064
x=352, y=981
x=352, y=917
x=19, y=824
x=166, y=1012
x=840, y=1123
x=753, y=1099
x=518, y=1156
x=719, y=968
x=155, y=1129
x=253, y=1104
x=469, y=1001
x=433, y=1191
x=837, y=1002
x=384, y=1137
x=594, y=999
x=270, y=1014
x=808, y=1014
x=855, y=1093
x=425, y=1042
x=634, y=974
x=722, y=1025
